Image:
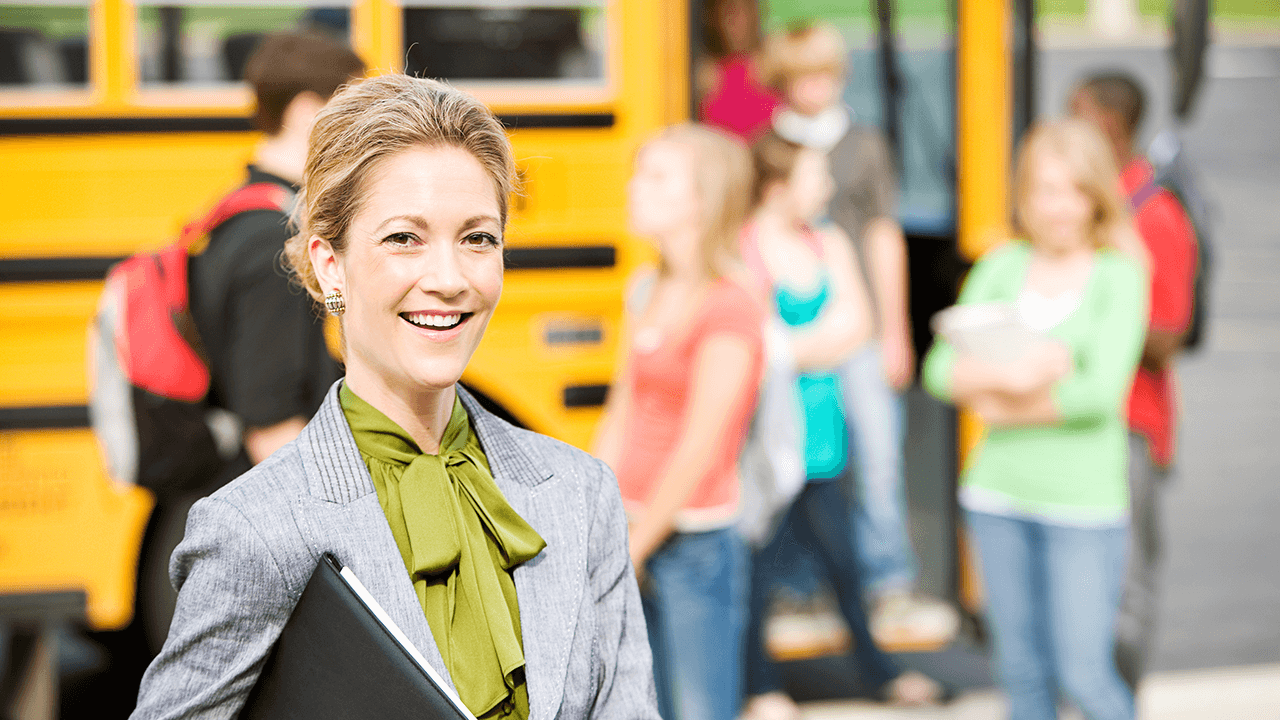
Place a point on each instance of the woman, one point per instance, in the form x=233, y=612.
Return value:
x=813, y=279
x=500, y=553
x=1046, y=497
x=676, y=420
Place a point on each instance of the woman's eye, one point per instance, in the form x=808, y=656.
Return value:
x=481, y=239
x=401, y=239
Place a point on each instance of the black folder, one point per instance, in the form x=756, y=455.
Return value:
x=336, y=659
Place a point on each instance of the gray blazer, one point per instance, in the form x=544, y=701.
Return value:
x=251, y=547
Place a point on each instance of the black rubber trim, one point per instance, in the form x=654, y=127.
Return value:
x=95, y=268
x=55, y=269
x=561, y=257
x=105, y=125
x=530, y=121
x=576, y=396
x=109, y=125
x=40, y=418
x=38, y=608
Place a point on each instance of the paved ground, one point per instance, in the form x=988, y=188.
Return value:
x=1226, y=694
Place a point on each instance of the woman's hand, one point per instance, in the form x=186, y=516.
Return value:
x=639, y=555
x=1047, y=363
x=898, y=358
x=1002, y=410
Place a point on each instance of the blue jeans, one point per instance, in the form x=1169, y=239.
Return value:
x=695, y=603
x=880, y=514
x=818, y=521
x=1052, y=596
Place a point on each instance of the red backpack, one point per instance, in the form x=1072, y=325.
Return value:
x=148, y=373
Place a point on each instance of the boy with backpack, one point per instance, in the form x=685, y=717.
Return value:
x=1115, y=102
x=205, y=360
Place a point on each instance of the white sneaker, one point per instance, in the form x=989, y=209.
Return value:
x=775, y=705
x=904, y=620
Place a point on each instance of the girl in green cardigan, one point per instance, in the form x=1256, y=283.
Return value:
x=1045, y=494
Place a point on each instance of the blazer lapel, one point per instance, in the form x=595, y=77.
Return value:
x=344, y=518
x=549, y=587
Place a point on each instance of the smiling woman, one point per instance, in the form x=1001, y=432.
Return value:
x=501, y=553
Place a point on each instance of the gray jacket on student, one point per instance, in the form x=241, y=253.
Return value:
x=251, y=547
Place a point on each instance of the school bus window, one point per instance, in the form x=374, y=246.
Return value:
x=44, y=46
x=523, y=40
x=196, y=44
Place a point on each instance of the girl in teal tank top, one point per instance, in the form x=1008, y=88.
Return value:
x=826, y=445
x=814, y=282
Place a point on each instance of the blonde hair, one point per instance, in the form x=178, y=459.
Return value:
x=800, y=49
x=364, y=124
x=722, y=175
x=1082, y=147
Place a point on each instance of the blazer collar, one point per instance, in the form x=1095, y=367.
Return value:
x=347, y=519
x=336, y=473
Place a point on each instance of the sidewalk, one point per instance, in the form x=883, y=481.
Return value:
x=1244, y=693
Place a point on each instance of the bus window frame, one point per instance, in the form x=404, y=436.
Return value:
x=21, y=99
x=114, y=85
x=523, y=95
x=234, y=96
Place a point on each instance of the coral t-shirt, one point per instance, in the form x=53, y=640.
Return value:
x=1171, y=242
x=661, y=388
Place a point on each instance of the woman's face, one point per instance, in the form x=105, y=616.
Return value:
x=1059, y=213
x=810, y=186
x=662, y=196
x=423, y=269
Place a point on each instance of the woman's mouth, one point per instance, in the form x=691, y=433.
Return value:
x=435, y=321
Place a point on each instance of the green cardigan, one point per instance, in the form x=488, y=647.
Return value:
x=1071, y=471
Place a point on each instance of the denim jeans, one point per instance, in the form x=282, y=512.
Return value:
x=880, y=514
x=1052, y=596
x=1135, y=626
x=818, y=521
x=695, y=604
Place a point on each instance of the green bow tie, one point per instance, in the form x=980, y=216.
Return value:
x=459, y=540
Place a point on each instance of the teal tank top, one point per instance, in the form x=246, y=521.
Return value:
x=826, y=443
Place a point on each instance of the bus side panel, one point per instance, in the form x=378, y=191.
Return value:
x=110, y=195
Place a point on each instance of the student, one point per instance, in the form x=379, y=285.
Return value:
x=679, y=412
x=1114, y=103
x=264, y=342
x=1044, y=493
x=811, y=277
x=501, y=553
x=731, y=95
x=807, y=64
x=267, y=356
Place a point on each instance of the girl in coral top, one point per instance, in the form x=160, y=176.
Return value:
x=679, y=412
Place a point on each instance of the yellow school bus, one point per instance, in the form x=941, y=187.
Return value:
x=121, y=118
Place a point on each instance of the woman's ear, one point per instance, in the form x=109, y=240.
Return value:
x=327, y=265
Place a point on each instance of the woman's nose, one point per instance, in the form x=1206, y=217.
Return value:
x=441, y=272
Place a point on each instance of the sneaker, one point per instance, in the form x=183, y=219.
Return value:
x=905, y=620
x=805, y=629
x=914, y=689
x=775, y=705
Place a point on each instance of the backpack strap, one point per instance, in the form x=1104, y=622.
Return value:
x=257, y=196
x=1144, y=195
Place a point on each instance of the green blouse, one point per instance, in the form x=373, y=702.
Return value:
x=460, y=542
x=1072, y=471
